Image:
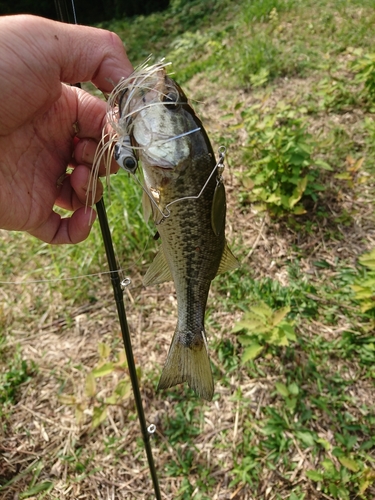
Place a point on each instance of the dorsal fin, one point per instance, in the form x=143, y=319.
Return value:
x=159, y=271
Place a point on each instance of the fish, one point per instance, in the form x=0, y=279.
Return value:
x=184, y=194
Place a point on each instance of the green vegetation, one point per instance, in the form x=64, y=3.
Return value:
x=288, y=87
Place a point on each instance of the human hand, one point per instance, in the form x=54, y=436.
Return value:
x=47, y=125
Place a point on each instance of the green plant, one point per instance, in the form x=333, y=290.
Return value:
x=92, y=399
x=264, y=327
x=364, y=68
x=279, y=160
x=16, y=372
x=364, y=287
x=341, y=474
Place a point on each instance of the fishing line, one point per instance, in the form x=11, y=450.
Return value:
x=118, y=289
x=166, y=213
x=54, y=280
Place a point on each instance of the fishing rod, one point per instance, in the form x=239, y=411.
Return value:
x=118, y=286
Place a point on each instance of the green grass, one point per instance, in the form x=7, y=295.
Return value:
x=293, y=85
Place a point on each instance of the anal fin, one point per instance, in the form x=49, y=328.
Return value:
x=228, y=261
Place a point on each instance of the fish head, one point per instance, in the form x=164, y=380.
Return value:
x=162, y=125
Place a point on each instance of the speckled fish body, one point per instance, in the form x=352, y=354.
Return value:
x=177, y=161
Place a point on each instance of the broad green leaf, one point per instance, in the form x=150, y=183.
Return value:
x=66, y=399
x=367, y=305
x=262, y=310
x=333, y=490
x=326, y=444
x=103, y=370
x=291, y=403
x=349, y=463
x=79, y=414
x=323, y=164
x=282, y=339
x=247, y=324
x=282, y=389
x=299, y=210
x=328, y=465
x=122, y=361
x=363, y=485
x=293, y=389
x=368, y=259
x=111, y=400
x=272, y=336
x=123, y=388
x=104, y=350
x=367, y=479
x=246, y=340
x=273, y=198
x=90, y=385
x=293, y=496
x=298, y=192
x=99, y=415
x=344, y=176
x=314, y=475
x=289, y=331
x=306, y=437
x=251, y=352
x=279, y=315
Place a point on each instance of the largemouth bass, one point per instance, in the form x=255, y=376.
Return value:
x=185, y=195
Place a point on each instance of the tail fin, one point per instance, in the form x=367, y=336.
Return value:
x=188, y=363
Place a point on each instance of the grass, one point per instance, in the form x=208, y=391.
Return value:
x=293, y=415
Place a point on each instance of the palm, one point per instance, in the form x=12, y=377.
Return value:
x=36, y=168
x=35, y=156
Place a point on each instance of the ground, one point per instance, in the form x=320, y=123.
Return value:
x=297, y=422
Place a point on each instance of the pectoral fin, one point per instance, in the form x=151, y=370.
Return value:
x=228, y=261
x=146, y=206
x=159, y=271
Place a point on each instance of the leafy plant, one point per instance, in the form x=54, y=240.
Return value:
x=365, y=72
x=264, y=327
x=16, y=372
x=92, y=399
x=279, y=160
x=364, y=287
x=340, y=476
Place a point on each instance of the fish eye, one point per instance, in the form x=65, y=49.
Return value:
x=129, y=164
x=171, y=100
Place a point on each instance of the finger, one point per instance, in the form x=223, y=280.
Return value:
x=56, y=230
x=84, y=152
x=89, y=54
x=76, y=190
x=88, y=113
x=81, y=183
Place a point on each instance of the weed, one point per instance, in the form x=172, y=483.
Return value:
x=279, y=160
x=16, y=372
x=264, y=328
x=364, y=287
x=92, y=399
x=364, y=67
